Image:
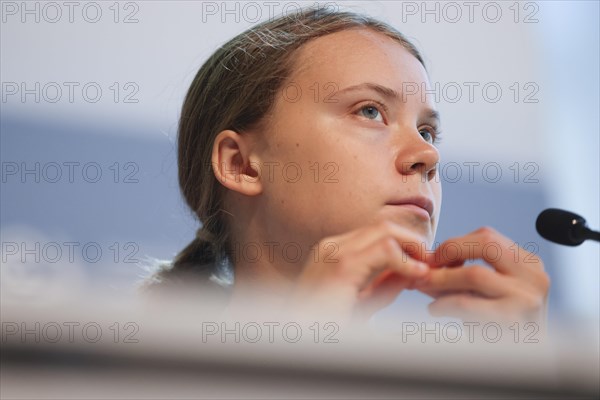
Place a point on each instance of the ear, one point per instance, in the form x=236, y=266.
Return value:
x=232, y=164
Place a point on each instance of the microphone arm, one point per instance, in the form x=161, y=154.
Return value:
x=588, y=234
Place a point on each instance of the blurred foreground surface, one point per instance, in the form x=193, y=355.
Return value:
x=121, y=348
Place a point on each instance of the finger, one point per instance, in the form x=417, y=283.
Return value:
x=380, y=281
x=468, y=306
x=487, y=244
x=351, y=269
x=432, y=259
x=411, y=243
x=387, y=254
x=480, y=280
x=464, y=306
x=381, y=293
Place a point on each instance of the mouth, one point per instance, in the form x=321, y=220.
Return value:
x=419, y=205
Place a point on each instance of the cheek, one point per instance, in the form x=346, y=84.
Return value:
x=325, y=179
x=324, y=189
x=314, y=178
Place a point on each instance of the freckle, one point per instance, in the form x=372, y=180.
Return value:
x=282, y=201
x=297, y=144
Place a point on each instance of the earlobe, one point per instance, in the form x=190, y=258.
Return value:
x=232, y=164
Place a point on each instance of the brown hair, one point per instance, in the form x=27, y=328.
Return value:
x=234, y=90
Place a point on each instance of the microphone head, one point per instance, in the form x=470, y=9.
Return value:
x=560, y=226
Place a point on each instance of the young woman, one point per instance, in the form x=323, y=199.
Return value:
x=315, y=179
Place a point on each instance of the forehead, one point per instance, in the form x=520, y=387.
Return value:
x=358, y=53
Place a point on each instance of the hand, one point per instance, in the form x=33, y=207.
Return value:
x=359, y=272
x=515, y=289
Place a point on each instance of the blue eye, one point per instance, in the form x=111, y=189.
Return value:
x=426, y=135
x=430, y=135
x=371, y=111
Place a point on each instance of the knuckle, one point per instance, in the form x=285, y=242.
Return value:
x=487, y=233
x=545, y=282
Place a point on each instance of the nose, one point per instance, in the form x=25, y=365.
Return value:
x=417, y=156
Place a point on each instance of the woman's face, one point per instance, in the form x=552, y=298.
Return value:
x=347, y=144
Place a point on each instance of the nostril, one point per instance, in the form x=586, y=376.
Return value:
x=418, y=166
x=431, y=174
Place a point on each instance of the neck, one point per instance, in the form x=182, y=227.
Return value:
x=263, y=278
x=267, y=257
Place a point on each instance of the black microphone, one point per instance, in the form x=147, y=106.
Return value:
x=564, y=227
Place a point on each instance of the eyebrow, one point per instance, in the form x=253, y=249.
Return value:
x=389, y=94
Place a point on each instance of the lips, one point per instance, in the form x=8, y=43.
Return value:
x=421, y=202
